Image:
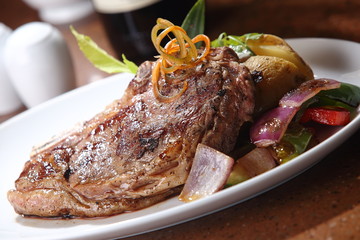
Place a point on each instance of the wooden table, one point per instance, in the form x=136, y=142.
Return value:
x=321, y=203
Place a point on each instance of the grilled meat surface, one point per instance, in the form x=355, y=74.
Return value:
x=138, y=151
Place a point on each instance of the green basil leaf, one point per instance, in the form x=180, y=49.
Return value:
x=194, y=22
x=347, y=93
x=100, y=58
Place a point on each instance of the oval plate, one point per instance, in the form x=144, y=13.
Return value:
x=330, y=58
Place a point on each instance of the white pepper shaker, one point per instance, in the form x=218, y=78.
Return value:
x=9, y=99
x=38, y=62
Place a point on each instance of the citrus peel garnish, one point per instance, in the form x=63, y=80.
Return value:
x=179, y=53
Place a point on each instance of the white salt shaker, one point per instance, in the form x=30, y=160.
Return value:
x=38, y=62
x=9, y=99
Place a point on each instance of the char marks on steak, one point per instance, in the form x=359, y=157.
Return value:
x=138, y=151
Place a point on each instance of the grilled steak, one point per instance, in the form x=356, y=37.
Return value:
x=138, y=151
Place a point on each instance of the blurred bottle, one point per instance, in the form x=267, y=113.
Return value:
x=128, y=23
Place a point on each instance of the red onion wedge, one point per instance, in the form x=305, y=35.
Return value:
x=208, y=174
x=270, y=127
x=257, y=161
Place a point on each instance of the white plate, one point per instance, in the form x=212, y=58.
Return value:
x=329, y=58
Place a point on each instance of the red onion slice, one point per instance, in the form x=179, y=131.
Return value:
x=208, y=174
x=270, y=127
x=306, y=91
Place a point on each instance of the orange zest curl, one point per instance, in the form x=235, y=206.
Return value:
x=179, y=53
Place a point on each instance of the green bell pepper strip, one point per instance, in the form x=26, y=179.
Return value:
x=298, y=137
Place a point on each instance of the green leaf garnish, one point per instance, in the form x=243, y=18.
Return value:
x=130, y=65
x=100, y=58
x=237, y=43
x=194, y=22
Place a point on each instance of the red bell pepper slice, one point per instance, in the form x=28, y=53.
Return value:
x=334, y=116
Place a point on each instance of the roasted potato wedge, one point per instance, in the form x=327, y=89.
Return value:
x=276, y=66
x=273, y=78
x=271, y=45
